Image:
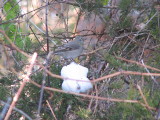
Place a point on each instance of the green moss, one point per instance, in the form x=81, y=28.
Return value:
x=117, y=84
x=92, y=5
x=136, y=111
x=129, y=111
x=124, y=4
x=3, y=92
x=83, y=113
x=113, y=61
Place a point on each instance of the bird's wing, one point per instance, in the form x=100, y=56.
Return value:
x=67, y=48
x=71, y=46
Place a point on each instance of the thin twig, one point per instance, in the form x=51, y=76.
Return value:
x=96, y=102
x=139, y=31
x=126, y=73
x=13, y=45
x=149, y=72
x=47, y=37
x=46, y=64
x=144, y=98
x=144, y=46
x=37, y=38
x=104, y=77
x=18, y=110
x=43, y=82
x=90, y=96
x=51, y=110
x=5, y=108
x=131, y=61
x=94, y=51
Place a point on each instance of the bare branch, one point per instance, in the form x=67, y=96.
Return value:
x=25, y=80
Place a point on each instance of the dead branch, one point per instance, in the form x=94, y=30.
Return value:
x=16, y=109
x=131, y=61
x=51, y=110
x=25, y=80
x=107, y=76
x=95, y=97
x=144, y=98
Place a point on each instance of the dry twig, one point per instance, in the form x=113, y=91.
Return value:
x=131, y=61
x=95, y=97
x=144, y=98
x=13, y=45
x=25, y=80
x=51, y=110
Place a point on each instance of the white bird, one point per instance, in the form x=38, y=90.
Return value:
x=75, y=78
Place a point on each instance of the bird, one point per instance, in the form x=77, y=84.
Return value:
x=72, y=49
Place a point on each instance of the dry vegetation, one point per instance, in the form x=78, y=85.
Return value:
x=122, y=44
